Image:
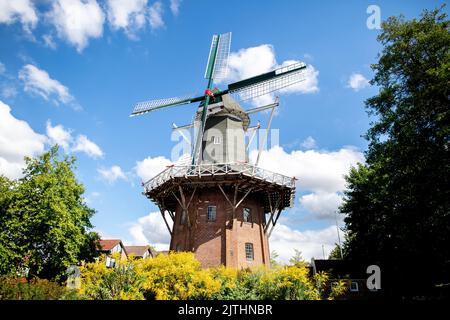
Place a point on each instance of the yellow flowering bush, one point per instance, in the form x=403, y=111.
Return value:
x=179, y=276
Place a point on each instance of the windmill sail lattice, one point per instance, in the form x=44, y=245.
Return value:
x=217, y=66
x=268, y=82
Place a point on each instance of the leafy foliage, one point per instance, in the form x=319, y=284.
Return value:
x=179, y=276
x=36, y=289
x=336, y=253
x=44, y=221
x=397, y=205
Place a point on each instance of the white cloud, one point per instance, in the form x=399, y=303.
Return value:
x=63, y=137
x=112, y=174
x=322, y=204
x=152, y=230
x=155, y=15
x=309, y=85
x=2, y=68
x=23, y=11
x=320, y=173
x=129, y=15
x=17, y=139
x=253, y=61
x=250, y=62
x=59, y=135
x=309, y=143
x=175, y=6
x=357, y=82
x=285, y=240
x=315, y=170
x=77, y=21
x=83, y=144
x=38, y=81
x=150, y=167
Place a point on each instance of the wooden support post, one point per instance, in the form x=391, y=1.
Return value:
x=273, y=225
x=273, y=210
x=165, y=220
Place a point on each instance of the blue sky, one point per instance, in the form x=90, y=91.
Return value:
x=70, y=72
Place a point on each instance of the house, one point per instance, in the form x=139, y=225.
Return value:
x=109, y=247
x=354, y=273
x=140, y=252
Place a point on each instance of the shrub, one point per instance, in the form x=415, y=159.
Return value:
x=101, y=283
x=12, y=288
x=179, y=276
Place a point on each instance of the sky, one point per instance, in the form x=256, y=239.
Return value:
x=71, y=71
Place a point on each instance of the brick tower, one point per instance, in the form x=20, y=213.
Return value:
x=223, y=209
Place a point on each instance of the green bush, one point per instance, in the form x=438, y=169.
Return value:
x=12, y=288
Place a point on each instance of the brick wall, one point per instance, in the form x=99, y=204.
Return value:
x=212, y=241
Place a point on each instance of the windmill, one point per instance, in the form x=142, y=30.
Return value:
x=222, y=207
x=217, y=68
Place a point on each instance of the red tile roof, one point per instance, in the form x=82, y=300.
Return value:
x=107, y=245
x=137, y=251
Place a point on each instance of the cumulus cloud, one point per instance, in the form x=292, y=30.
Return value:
x=320, y=174
x=58, y=134
x=112, y=174
x=150, y=167
x=77, y=21
x=151, y=229
x=18, y=11
x=285, y=240
x=155, y=15
x=316, y=170
x=357, y=82
x=63, y=137
x=17, y=139
x=83, y=144
x=249, y=62
x=129, y=15
x=322, y=204
x=39, y=82
x=175, y=7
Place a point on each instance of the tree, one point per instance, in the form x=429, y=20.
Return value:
x=44, y=220
x=335, y=253
x=297, y=259
x=397, y=205
x=274, y=259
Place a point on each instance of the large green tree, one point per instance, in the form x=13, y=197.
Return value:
x=44, y=220
x=397, y=205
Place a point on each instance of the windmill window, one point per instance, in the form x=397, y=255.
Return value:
x=216, y=140
x=211, y=213
x=247, y=215
x=249, y=254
